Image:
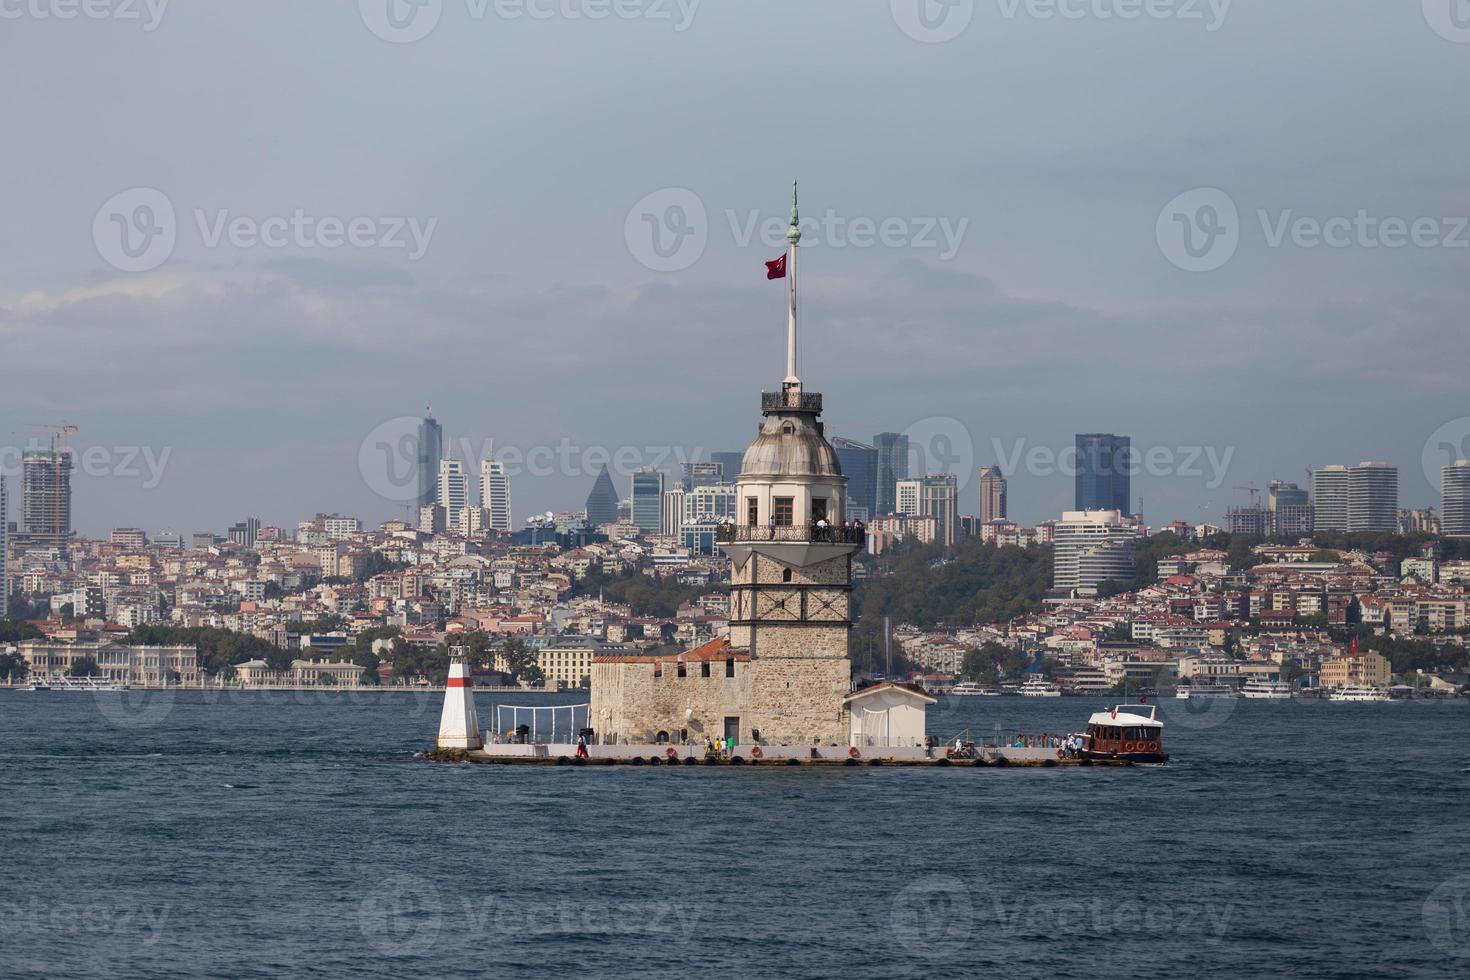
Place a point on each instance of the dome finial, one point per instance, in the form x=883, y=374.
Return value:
x=793, y=234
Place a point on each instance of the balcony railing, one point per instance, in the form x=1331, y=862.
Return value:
x=791, y=401
x=798, y=534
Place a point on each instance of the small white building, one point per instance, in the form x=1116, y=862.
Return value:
x=886, y=715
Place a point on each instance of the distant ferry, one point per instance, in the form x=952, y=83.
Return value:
x=969, y=689
x=38, y=686
x=1128, y=733
x=1261, y=689
x=1206, y=691
x=1358, y=694
x=91, y=685
x=1038, y=687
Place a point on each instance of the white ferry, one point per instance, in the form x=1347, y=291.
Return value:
x=1206, y=691
x=969, y=689
x=1040, y=687
x=38, y=686
x=1127, y=733
x=1261, y=689
x=91, y=685
x=1358, y=694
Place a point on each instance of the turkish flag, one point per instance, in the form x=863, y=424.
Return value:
x=776, y=268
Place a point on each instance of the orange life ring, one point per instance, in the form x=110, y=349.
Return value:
x=1129, y=746
x=755, y=752
x=853, y=752
x=671, y=752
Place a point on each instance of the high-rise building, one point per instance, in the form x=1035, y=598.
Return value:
x=992, y=495
x=4, y=553
x=893, y=465
x=702, y=474
x=430, y=452
x=729, y=464
x=1291, y=510
x=671, y=515
x=938, y=493
x=647, y=499
x=1454, y=516
x=860, y=465
x=243, y=533
x=495, y=494
x=908, y=497
x=602, y=502
x=46, y=488
x=1373, y=497
x=1330, y=498
x=454, y=490
x=1093, y=547
x=1103, y=472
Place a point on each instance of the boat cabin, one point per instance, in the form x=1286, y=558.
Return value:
x=1128, y=732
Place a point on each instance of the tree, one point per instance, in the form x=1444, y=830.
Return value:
x=13, y=667
x=14, y=630
x=84, y=667
x=520, y=662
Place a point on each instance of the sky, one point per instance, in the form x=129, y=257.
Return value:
x=248, y=242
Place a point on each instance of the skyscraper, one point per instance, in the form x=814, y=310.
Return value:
x=4, y=554
x=730, y=464
x=1454, y=519
x=702, y=474
x=1330, y=498
x=1102, y=481
x=648, y=498
x=893, y=465
x=46, y=488
x=1093, y=547
x=1291, y=511
x=602, y=502
x=454, y=490
x=1373, y=497
x=495, y=494
x=859, y=464
x=992, y=495
x=938, y=492
x=430, y=452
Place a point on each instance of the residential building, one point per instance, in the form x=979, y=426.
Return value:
x=1454, y=514
x=671, y=513
x=243, y=533
x=859, y=463
x=495, y=494
x=647, y=499
x=454, y=490
x=1373, y=497
x=123, y=537
x=892, y=450
x=992, y=495
x=1330, y=498
x=907, y=497
x=1102, y=480
x=1092, y=547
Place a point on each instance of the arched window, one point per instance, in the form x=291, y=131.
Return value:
x=786, y=575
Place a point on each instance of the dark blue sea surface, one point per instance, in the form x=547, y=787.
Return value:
x=270, y=834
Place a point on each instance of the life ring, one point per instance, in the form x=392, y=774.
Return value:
x=1129, y=746
x=671, y=752
x=755, y=752
x=853, y=752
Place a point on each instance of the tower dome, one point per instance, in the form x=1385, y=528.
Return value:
x=790, y=444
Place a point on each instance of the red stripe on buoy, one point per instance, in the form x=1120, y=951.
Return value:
x=460, y=682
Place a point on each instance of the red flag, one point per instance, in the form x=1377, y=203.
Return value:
x=1355, y=644
x=776, y=268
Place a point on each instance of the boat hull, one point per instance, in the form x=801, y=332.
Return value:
x=1115, y=758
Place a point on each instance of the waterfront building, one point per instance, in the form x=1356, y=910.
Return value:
x=647, y=498
x=1454, y=511
x=150, y=666
x=495, y=495
x=992, y=495
x=430, y=452
x=1362, y=669
x=1102, y=480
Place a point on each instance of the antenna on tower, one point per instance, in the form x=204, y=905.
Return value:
x=793, y=239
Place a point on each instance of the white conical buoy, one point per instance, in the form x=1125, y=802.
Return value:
x=459, y=728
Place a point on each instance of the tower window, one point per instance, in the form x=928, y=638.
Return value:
x=683, y=670
x=819, y=509
x=752, y=511
x=783, y=510
x=704, y=668
x=729, y=666
x=786, y=575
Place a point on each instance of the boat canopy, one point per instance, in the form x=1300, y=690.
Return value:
x=1126, y=715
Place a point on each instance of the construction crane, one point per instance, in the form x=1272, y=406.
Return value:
x=1254, y=491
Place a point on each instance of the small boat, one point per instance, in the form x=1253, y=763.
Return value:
x=1361, y=693
x=1262, y=689
x=38, y=686
x=969, y=689
x=1127, y=733
x=1039, y=687
x=91, y=685
x=1206, y=691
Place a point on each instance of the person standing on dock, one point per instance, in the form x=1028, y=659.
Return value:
x=581, y=746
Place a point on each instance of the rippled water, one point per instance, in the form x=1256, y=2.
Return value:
x=267, y=834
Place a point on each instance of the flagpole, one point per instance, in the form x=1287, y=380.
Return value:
x=793, y=238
